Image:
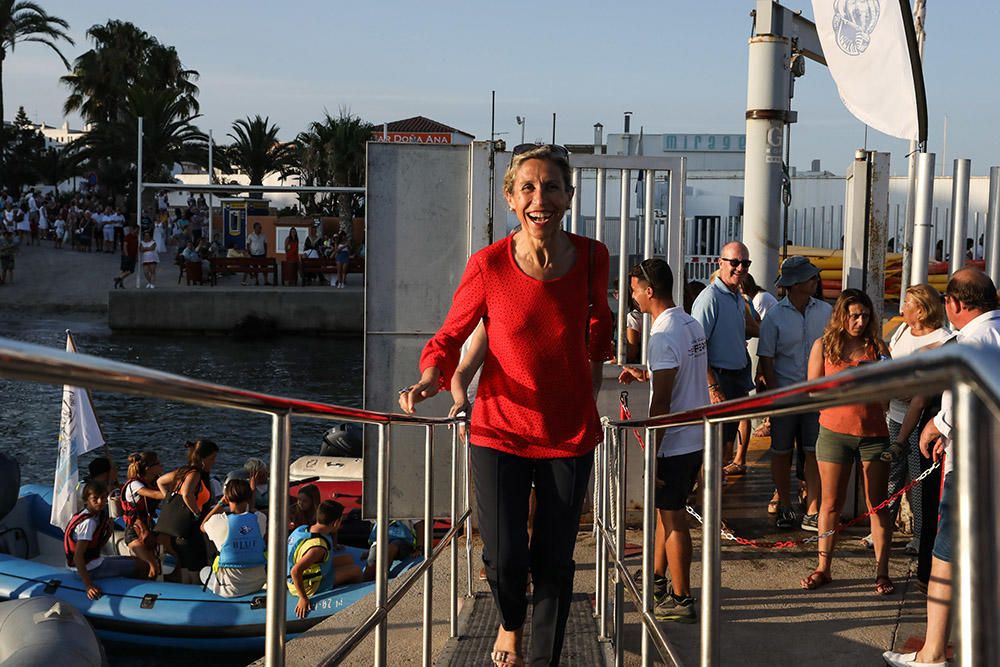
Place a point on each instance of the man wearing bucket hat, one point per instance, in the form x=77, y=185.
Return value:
x=787, y=334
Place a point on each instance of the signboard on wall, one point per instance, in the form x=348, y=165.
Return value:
x=722, y=143
x=412, y=137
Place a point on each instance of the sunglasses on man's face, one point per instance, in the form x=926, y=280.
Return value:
x=556, y=150
x=733, y=262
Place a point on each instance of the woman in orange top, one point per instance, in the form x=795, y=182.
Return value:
x=851, y=338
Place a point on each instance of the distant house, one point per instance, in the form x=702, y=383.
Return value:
x=419, y=130
x=57, y=137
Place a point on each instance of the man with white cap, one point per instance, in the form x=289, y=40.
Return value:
x=787, y=334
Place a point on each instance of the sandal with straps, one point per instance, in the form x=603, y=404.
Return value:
x=884, y=585
x=816, y=579
x=506, y=659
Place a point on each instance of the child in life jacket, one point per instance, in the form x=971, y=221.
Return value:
x=303, y=512
x=312, y=566
x=139, y=498
x=240, y=567
x=87, y=533
x=402, y=543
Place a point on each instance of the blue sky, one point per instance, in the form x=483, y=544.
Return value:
x=678, y=65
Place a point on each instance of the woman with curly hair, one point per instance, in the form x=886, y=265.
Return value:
x=851, y=338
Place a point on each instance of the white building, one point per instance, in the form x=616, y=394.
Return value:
x=57, y=137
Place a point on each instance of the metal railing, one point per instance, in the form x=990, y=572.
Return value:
x=973, y=376
x=35, y=363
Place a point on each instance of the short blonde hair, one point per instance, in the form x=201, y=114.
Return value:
x=540, y=152
x=930, y=304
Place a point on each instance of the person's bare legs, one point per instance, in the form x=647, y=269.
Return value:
x=659, y=548
x=876, y=475
x=938, y=613
x=833, y=479
x=742, y=443
x=781, y=473
x=814, y=493
x=677, y=537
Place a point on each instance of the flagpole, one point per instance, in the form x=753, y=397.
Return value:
x=919, y=15
x=107, y=450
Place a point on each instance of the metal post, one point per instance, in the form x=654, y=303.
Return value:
x=599, y=207
x=992, y=224
x=675, y=233
x=277, y=524
x=602, y=553
x=959, y=213
x=974, y=556
x=767, y=111
x=648, y=540
x=711, y=546
x=467, y=454
x=623, y=282
x=428, y=657
x=922, y=218
x=453, y=593
x=211, y=174
x=382, y=543
x=574, y=218
x=619, y=621
x=138, y=195
x=647, y=247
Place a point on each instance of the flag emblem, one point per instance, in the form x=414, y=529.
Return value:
x=854, y=22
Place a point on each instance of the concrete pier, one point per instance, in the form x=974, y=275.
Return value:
x=221, y=309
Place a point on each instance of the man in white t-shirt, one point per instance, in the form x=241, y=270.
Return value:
x=240, y=567
x=970, y=302
x=677, y=367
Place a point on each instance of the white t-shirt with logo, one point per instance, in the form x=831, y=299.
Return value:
x=677, y=340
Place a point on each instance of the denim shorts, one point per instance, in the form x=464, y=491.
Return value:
x=944, y=541
x=786, y=429
x=733, y=384
x=114, y=566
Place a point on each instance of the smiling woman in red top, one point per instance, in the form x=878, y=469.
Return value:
x=542, y=296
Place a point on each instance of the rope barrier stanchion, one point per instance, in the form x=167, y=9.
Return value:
x=790, y=544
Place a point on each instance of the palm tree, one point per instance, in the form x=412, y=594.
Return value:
x=256, y=151
x=57, y=164
x=168, y=138
x=125, y=57
x=341, y=160
x=28, y=22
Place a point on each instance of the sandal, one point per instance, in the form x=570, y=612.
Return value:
x=772, y=506
x=506, y=659
x=884, y=585
x=734, y=469
x=817, y=579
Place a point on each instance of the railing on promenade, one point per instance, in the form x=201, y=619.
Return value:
x=35, y=363
x=973, y=376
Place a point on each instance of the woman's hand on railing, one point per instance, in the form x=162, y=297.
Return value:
x=631, y=374
x=426, y=387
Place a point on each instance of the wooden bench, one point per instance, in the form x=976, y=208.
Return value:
x=248, y=266
x=316, y=267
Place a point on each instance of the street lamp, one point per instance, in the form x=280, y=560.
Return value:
x=520, y=121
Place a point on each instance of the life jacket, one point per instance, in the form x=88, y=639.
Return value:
x=318, y=576
x=143, y=509
x=398, y=530
x=244, y=545
x=97, y=542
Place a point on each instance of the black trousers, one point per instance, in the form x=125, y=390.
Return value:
x=503, y=484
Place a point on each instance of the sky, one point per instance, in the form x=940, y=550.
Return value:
x=677, y=65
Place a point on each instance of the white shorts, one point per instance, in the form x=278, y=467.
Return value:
x=109, y=233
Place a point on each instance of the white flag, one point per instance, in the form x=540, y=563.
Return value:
x=79, y=433
x=864, y=43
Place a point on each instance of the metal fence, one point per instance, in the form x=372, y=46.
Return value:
x=35, y=363
x=969, y=372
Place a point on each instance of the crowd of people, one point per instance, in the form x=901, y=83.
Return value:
x=187, y=526
x=534, y=421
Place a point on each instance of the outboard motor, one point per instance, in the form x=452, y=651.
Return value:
x=343, y=440
x=10, y=484
x=46, y=631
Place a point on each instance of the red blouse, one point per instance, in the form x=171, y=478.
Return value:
x=535, y=395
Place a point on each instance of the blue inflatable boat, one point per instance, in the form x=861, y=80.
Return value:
x=149, y=613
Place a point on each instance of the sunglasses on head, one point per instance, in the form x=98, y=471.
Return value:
x=645, y=274
x=733, y=262
x=556, y=150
